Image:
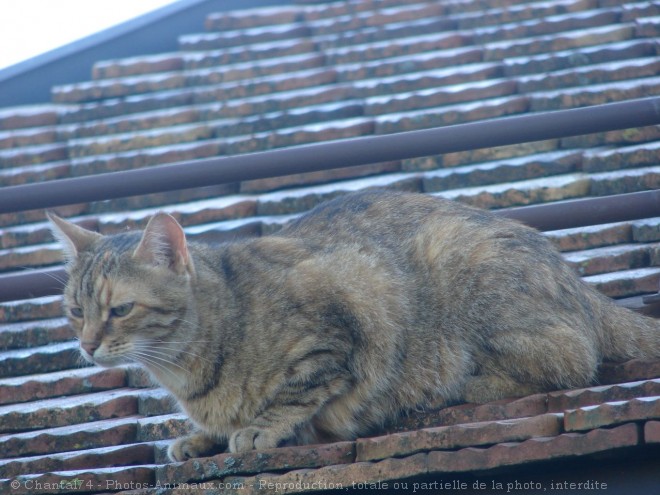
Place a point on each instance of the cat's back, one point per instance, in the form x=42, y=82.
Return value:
x=367, y=214
x=388, y=219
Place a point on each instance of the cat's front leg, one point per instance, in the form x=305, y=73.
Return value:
x=272, y=428
x=252, y=437
x=198, y=444
x=287, y=416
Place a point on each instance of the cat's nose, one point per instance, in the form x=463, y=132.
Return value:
x=90, y=347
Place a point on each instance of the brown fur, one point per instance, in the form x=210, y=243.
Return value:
x=366, y=307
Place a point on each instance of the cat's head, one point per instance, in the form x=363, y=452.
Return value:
x=127, y=294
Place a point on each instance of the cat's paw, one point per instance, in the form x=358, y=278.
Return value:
x=487, y=388
x=196, y=445
x=252, y=438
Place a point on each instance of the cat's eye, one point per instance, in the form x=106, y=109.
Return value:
x=121, y=311
x=76, y=312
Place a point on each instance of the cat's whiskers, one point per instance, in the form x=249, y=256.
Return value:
x=173, y=344
x=154, y=361
x=165, y=346
x=149, y=361
x=161, y=356
x=165, y=374
x=59, y=280
x=155, y=354
x=166, y=356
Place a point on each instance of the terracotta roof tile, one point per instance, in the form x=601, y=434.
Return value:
x=167, y=62
x=639, y=155
x=29, y=116
x=60, y=383
x=626, y=283
x=49, y=413
x=31, y=309
x=458, y=436
x=591, y=237
x=97, y=480
x=573, y=399
x=256, y=462
x=566, y=445
x=251, y=18
x=121, y=455
x=32, y=154
x=611, y=413
x=29, y=334
x=162, y=427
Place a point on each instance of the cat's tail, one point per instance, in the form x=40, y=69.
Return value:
x=629, y=335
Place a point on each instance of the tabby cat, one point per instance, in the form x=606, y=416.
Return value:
x=366, y=307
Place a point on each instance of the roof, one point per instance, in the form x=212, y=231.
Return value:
x=312, y=72
x=31, y=80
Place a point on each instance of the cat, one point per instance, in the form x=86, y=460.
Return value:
x=368, y=306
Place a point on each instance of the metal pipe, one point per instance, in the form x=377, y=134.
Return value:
x=588, y=211
x=322, y=156
x=552, y=216
x=32, y=283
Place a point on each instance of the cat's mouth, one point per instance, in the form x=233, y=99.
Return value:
x=103, y=359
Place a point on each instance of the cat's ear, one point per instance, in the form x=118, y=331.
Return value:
x=74, y=239
x=164, y=244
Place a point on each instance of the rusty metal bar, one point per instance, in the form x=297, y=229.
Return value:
x=322, y=156
x=551, y=216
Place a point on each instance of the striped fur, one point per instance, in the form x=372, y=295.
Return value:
x=366, y=307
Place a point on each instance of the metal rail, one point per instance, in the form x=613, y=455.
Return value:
x=359, y=151
x=588, y=211
x=552, y=216
x=322, y=156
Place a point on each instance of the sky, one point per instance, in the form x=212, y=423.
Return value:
x=31, y=27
